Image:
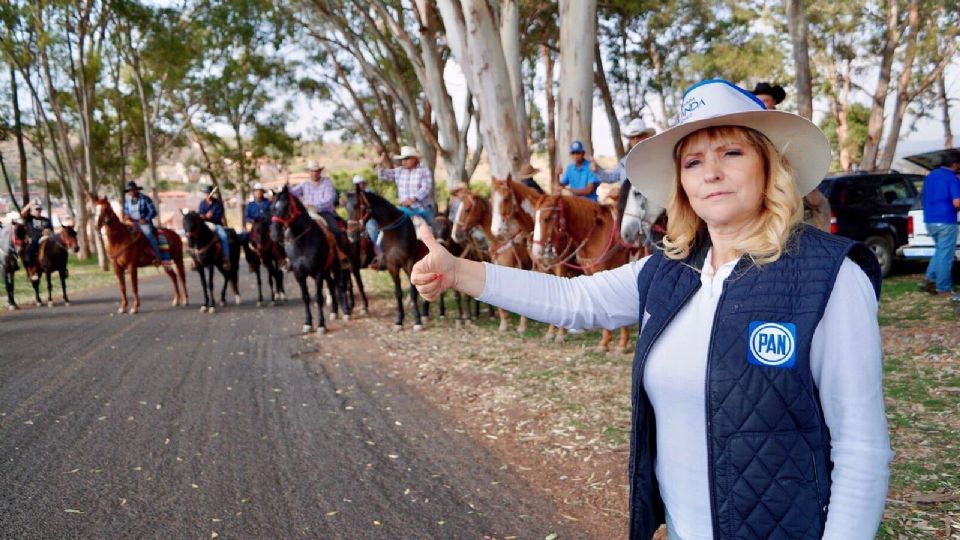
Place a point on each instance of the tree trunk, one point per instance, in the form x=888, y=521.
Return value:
x=6, y=179
x=551, y=117
x=578, y=29
x=147, y=133
x=18, y=131
x=875, y=125
x=510, y=41
x=601, y=80
x=945, y=109
x=797, y=25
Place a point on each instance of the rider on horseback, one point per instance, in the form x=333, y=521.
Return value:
x=258, y=209
x=139, y=210
x=38, y=226
x=414, y=188
x=320, y=198
x=211, y=210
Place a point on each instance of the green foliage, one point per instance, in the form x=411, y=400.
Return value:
x=858, y=116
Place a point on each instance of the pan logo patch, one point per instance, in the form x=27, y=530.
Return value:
x=772, y=344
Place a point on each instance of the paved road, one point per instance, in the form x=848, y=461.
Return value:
x=177, y=424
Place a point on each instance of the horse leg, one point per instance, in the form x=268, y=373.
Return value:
x=331, y=295
x=442, y=307
x=550, y=335
x=476, y=309
x=235, y=281
x=522, y=327
x=8, y=283
x=398, y=294
x=118, y=270
x=504, y=320
x=203, y=285
x=342, y=281
x=35, y=282
x=321, y=322
x=135, y=285
x=605, y=339
x=49, y=289
x=173, y=279
x=305, y=294
x=178, y=259
x=458, y=298
x=63, y=285
x=490, y=314
x=415, y=296
x=256, y=270
x=622, y=346
x=561, y=335
x=223, y=290
x=363, y=294
x=213, y=297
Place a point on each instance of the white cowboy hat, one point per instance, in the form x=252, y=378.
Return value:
x=12, y=217
x=716, y=102
x=406, y=152
x=258, y=186
x=312, y=165
x=638, y=127
x=357, y=180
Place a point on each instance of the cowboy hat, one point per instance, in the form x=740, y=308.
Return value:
x=358, y=179
x=313, y=165
x=527, y=171
x=638, y=127
x=775, y=91
x=131, y=185
x=258, y=187
x=407, y=152
x=716, y=102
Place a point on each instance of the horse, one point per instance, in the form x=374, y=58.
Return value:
x=641, y=221
x=443, y=232
x=579, y=234
x=401, y=248
x=312, y=251
x=359, y=250
x=12, y=239
x=207, y=254
x=128, y=249
x=52, y=256
x=260, y=250
x=475, y=214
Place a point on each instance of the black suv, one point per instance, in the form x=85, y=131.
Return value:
x=872, y=208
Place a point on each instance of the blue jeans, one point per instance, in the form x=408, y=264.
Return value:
x=224, y=242
x=147, y=230
x=425, y=213
x=945, y=244
x=373, y=232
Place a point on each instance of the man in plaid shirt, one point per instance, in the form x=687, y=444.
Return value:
x=319, y=195
x=414, y=184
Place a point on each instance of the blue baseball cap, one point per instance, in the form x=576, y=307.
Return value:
x=576, y=147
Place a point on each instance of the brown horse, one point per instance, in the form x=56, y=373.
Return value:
x=128, y=249
x=52, y=256
x=514, y=207
x=579, y=234
x=475, y=213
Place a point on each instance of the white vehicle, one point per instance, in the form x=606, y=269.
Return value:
x=919, y=243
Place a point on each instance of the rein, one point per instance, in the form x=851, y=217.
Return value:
x=560, y=231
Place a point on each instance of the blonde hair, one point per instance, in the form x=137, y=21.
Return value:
x=781, y=208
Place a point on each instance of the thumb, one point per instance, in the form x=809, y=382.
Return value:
x=426, y=236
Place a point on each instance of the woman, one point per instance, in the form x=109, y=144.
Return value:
x=757, y=381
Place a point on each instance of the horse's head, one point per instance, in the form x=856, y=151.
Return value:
x=469, y=214
x=508, y=209
x=103, y=211
x=549, y=229
x=358, y=212
x=191, y=226
x=443, y=228
x=68, y=235
x=283, y=210
x=638, y=215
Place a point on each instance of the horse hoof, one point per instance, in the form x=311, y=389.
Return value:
x=560, y=338
x=12, y=307
x=122, y=310
x=134, y=311
x=622, y=350
x=333, y=316
x=306, y=328
x=503, y=327
x=364, y=312
x=547, y=338
x=203, y=309
x=521, y=329
x=236, y=299
x=222, y=303
x=417, y=327
x=259, y=304
x=212, y=309
x=39, y=304
x=397, y=327
x=321, y=330
x=346, y=317
x=49, y=303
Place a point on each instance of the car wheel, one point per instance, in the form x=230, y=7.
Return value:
x=882, y=248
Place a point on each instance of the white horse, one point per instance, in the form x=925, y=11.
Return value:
x=637, y=217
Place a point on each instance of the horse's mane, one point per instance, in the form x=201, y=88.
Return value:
x=523, y=191
x=581, y=212
x=624, y=196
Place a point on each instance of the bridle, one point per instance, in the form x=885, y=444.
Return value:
x=293, y=214
x=472, y=247
x=560, y=232
x=363, y=209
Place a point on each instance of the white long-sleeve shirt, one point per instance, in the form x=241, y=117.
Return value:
x=845, y=360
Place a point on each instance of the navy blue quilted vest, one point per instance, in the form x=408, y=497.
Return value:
x=767, y=444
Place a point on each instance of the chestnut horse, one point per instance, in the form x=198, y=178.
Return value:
x=579, y=234
x=514, y=208
x=52, y=257
x=474, y=213
x=128, y=250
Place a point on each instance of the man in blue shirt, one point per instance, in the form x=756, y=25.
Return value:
x=578, y=178
x=211, y=210
x=259, y=208
x=139, y=210
x=941, y=201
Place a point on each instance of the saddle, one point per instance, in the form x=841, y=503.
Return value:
x=332, y=238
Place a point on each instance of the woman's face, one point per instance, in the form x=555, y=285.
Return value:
x=723, y=178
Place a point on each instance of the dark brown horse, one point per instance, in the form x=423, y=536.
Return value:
x=401, y=248
x=52, y=255
x=578, y=234
x=260, y=250
x=13, y=238
x=128, y=250
x=208, y=254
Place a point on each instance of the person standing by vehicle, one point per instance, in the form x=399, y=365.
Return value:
x=941, y=201
x=212, y=211
x=756, y=414
x=139, y=211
